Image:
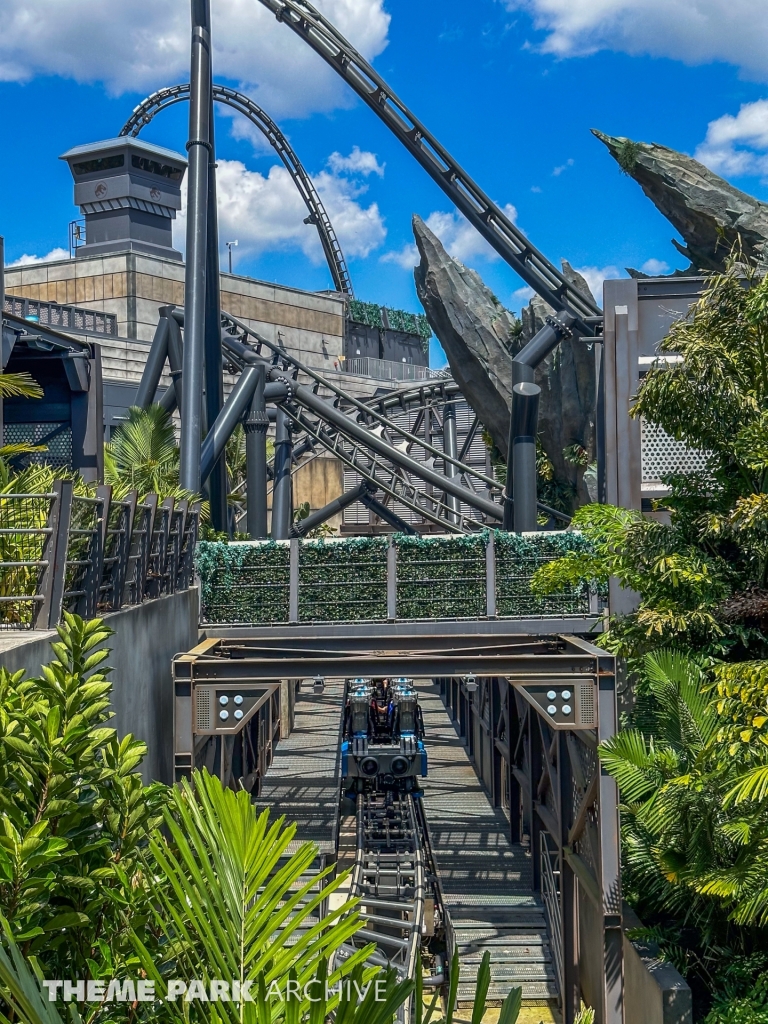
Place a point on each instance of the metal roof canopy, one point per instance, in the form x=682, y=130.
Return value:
x=284, y=655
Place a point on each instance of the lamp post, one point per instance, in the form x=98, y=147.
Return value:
x=229, y=247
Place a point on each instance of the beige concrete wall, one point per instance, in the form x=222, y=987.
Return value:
x=133, y=287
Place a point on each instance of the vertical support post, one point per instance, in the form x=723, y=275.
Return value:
x=124, y=553
x=490, y=577
x=525, y=417
x=199, y=148
x=293, y=587
x=450, y=447
x=42, y=610
x=571, y=993
x=256, y=425
x=64, y=490
x=536, y=755
x=281, y=490
x=103, y=491
x=610, y=857
x=392, y=580
x=214, y=384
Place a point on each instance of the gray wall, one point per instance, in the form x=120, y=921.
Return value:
x=146, y=638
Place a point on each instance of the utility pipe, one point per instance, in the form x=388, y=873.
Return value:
x=525, y=418
x=555, y=329
x=451, y=450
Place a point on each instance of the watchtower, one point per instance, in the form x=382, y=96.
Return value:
x=129, y=192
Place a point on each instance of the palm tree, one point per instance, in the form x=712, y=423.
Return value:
x=143, y=454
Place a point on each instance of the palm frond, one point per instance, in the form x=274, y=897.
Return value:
x=19, y=385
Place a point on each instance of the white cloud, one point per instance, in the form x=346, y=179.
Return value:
x=654, y=267
x=144, y=44
x=737, y=145
x=557, y=171
x=358, y=162
x=594, y=276
x=266, y=213
x=694, y=31
x=27, y=259
x=522, y=296
x=460, y=239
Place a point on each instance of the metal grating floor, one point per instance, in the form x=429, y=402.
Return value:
x=487, y=881
x=304, y=779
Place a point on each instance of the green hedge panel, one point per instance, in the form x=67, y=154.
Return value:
x=346, y=580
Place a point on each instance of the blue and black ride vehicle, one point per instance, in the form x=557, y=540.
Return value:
x=383, y=737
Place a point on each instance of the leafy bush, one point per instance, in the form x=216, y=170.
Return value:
x=75, y=814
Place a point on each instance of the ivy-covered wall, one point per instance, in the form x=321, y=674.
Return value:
x=343, y=580
x=346, y=580
x=243, y=583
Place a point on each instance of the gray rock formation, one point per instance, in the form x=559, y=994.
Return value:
x=480, y=337
x=710, y=214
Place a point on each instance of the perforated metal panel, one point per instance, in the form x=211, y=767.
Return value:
x=585, y=708
x=57, y=438
x=662, y=454
x=203, y=710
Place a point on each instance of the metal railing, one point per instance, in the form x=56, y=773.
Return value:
x=387, y=369
x=90, y=554
x=65, y=318
x=298, y=581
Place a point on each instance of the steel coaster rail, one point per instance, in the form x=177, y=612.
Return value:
x=162, y=98
x=406, y=494
x=389, y=878
x=366, y=410
x=343, y=423
x=485, y=215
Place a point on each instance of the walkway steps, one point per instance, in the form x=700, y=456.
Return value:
x=487, y=882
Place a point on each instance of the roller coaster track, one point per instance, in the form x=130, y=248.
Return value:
x=479, y=209
x=146, y=110
x=390, y=879
x=329, y=427
x=415, y=403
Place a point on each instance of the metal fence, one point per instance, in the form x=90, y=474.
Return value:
x=63, y=551
x=385, y=579
x=65, y=318
x=387, y=369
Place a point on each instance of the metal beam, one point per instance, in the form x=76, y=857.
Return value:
x=304, y=526
x=256, y=425
x=281, y=489
x=199, y=148
x=153, y=368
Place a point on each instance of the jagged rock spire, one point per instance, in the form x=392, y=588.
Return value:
x=711, y=215
x=479, y=337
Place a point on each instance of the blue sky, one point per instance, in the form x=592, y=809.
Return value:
x=510, y=88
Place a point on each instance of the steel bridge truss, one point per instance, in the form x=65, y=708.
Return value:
x=558, y=705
